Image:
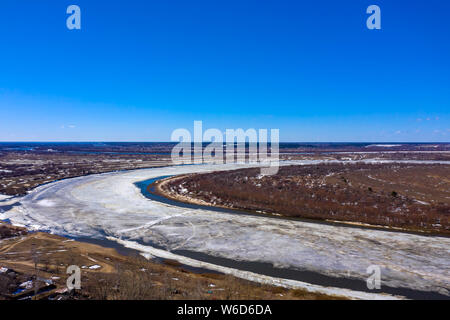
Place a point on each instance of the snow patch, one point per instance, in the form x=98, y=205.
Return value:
x=4, y=197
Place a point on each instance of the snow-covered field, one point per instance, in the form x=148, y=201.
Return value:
x=111, y=206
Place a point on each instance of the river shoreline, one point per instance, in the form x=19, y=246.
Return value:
x=157, y=189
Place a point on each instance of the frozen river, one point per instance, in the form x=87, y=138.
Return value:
x=110, y=206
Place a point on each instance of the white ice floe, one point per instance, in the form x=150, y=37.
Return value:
x=46, y=203
x=110, y=205
x=286, y=283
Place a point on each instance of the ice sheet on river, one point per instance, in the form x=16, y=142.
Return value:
x=110, y=205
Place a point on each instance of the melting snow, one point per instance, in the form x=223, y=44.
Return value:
x=95, y=267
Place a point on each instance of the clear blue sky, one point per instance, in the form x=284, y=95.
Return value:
x=137, y=70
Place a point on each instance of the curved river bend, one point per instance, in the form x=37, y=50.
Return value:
x=277, y=251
